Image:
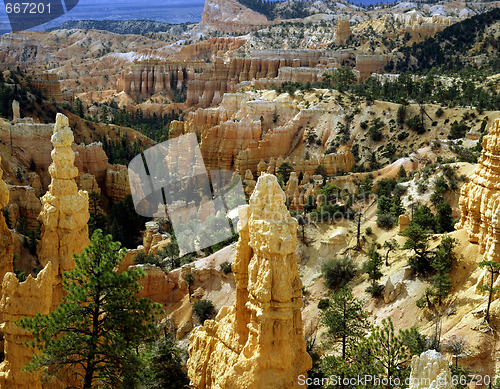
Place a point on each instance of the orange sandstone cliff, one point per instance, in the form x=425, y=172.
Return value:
x=6, y=238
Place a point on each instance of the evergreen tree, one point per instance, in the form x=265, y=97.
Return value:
x=392, y=352
x=424, y=217
x=397, y=207
x=94, y=333
x=189, y=278
x=390, y=245
x=402, y=172
x=322, y=172
x=103, y=118
x=442, y=263
x=372, y=268
x=165, y=365
x=345, y=319
x=417, y=241
x=78, y=107
x=494, y=269
x=444, y=220
x=284, y=172
x=384, y=204
x=97, y=219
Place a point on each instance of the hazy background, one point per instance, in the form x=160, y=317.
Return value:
x=167, y=11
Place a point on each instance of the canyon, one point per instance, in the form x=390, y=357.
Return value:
x=261, y=96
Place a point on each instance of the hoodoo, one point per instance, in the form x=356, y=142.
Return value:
x=257, y=343
x=65, y=209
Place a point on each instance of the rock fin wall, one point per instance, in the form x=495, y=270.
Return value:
x=6, y=238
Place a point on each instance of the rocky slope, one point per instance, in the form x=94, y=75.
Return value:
x=254, y=128
x=231, y=16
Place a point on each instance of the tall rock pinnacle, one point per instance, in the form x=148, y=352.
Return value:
x=65, y=210
x=257, y=343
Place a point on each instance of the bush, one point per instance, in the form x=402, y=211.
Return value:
x=415, y=124
x=375, y=290
x=439, y=112
x=323, y=304
x=204, y=310
x=368, y=230
x=403, y=135
x=338, y=272
x=386, y=220
x=225, y=267
x=458, y=130
x=424, y=217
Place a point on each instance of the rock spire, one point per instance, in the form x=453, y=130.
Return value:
x=430, y=371
x=258, y=342
x=65, y=212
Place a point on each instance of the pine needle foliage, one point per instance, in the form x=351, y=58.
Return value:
x=95, y=333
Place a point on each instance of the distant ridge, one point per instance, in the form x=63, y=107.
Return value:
x=137, y=27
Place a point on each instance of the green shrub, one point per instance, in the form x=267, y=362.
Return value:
x=458, y=130
x=375, y=290
x=204, y=310
x=368, y=230
x=337, y=272
x=225, y=267
x=403, y=135
x=386, y=220
x=415, y=124
x=323, y=304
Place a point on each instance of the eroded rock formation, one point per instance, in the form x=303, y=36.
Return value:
x=257, y=134
x=117, y=182
x=65, y=210
x=31, y=143
x=49, y=85
x=258, y=342
x=480, y=201
x=206, y=83
x=366, y=64
x=20, y=300
x=23, y=203
x=430, y=371
x=6, y=238
x=343, y=32
x=231, y=16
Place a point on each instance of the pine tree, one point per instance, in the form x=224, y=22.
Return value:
x=444, y=219
x=284, y=172
x=78, y=107
x=393, y=352
x=417, y=241
x=94, y=333
x=345, y=319
x=397, y=207
x=390, y=245
x=165, y=365
x=372, y=268
x=443, y=260
x=494, y=269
